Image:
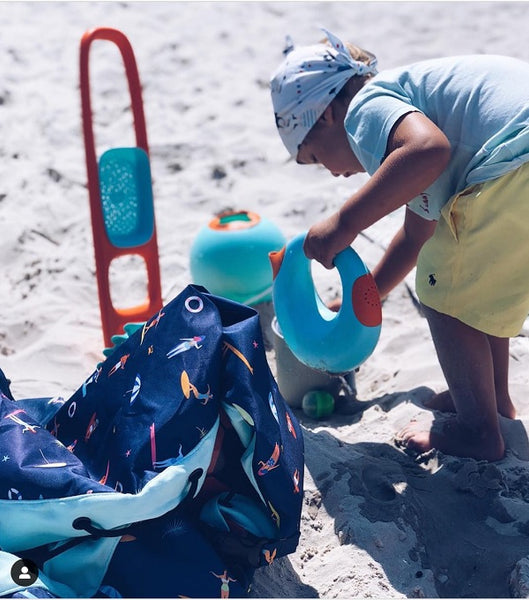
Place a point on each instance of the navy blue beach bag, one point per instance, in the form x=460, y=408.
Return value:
x=176, y=469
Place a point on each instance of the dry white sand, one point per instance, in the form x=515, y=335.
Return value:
x=376, y=522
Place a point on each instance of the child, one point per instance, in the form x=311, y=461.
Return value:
x=448, y=138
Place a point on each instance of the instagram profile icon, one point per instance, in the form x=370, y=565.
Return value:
x=24, y=572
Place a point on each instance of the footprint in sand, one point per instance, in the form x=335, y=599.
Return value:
x=377, y=484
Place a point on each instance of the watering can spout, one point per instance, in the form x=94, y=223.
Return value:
x=276, y=260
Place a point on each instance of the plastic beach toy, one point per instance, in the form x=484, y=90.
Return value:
x=120, y=192
x=318, y=404
x=230, y=256
x=317, y=336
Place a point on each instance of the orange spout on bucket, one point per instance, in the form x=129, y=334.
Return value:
x=276, y=259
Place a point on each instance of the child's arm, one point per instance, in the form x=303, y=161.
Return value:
x=401, y=255
x=417, y=153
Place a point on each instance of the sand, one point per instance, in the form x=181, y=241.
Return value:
x=376, y=521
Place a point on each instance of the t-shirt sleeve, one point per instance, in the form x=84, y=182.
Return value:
x=368, y=123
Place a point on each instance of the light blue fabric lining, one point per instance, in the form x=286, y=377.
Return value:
x=53, y=519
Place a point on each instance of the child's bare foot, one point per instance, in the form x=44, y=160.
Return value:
x=449, y=436
x=444, y=403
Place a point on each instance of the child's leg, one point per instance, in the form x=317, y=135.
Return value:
x=500, y=358
x=466, y=357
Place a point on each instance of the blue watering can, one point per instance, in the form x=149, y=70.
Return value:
x=319, y=337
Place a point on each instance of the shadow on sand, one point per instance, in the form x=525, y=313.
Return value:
x=454, y=527
x=470, y=518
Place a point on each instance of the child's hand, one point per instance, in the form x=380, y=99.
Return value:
x=326, y=239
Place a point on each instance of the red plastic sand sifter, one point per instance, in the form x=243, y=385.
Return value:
x=120, y=191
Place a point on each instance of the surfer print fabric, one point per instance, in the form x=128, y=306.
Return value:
x=177, y=456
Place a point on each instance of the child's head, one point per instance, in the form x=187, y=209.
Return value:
x=308, y=80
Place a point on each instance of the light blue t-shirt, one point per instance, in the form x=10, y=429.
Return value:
x=481, y=103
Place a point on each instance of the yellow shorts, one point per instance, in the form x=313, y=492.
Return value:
x=475, y=267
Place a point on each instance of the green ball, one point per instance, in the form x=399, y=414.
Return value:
x=317, y=404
